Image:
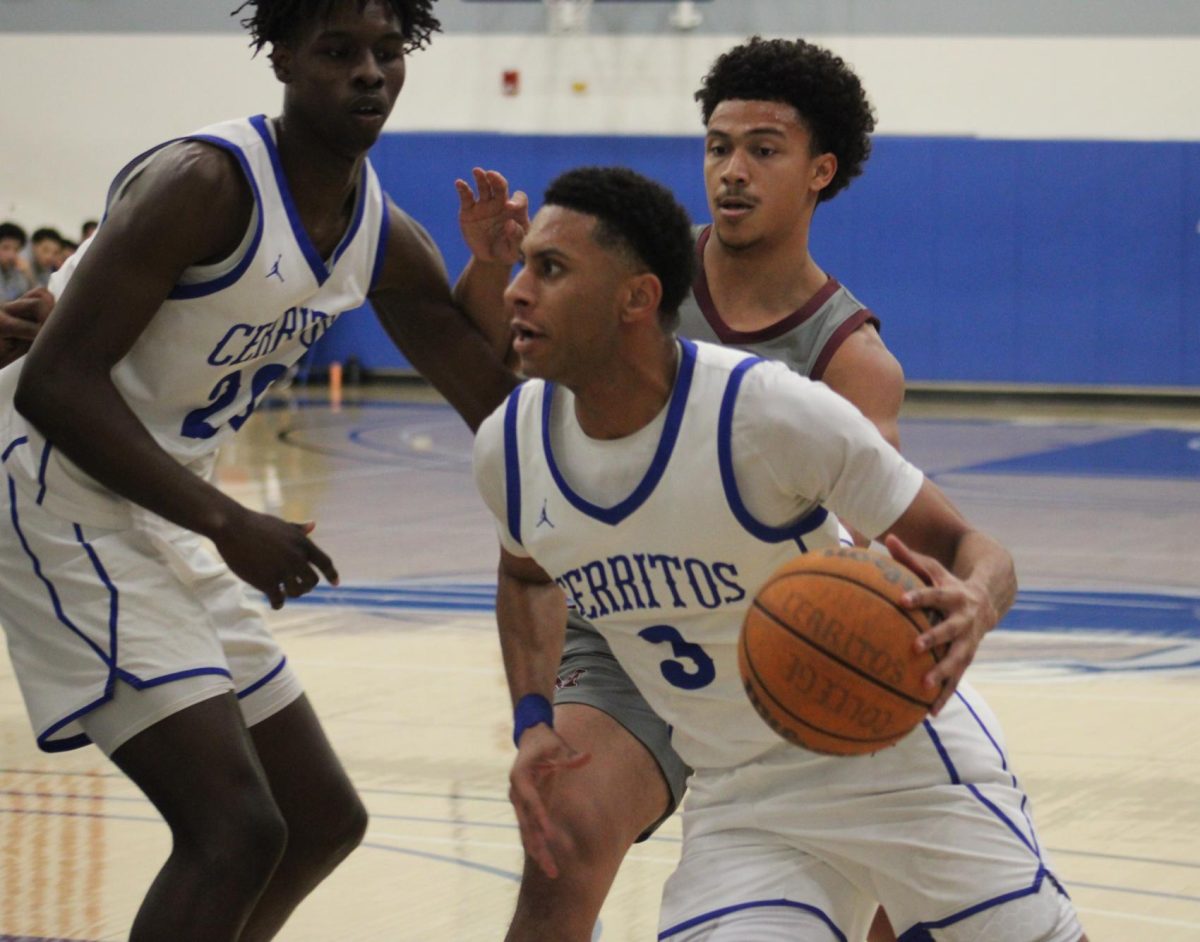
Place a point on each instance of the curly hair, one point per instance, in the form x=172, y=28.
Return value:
x=825, y=92
x=636, y=215
x=273, y=21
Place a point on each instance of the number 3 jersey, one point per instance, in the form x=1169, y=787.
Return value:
x=661, y=539
x=225, y=332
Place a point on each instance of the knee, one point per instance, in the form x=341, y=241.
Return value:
x=244, y=840
x=325, y=837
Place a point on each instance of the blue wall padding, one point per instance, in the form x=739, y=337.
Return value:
x=1042, y=262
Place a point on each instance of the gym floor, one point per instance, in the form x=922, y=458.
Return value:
x=1094, y=673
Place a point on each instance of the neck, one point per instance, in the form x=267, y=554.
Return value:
x=766, y=279
x=317, y=174
x=626, y=397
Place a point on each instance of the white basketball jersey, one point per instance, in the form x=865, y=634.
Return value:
x=666, y=574
x=225, y=332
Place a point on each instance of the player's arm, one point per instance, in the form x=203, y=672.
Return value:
x=493, y=226
x=20, y=321
x=864, y=371
x=152, y=234
x=972, y=581
x=412, y=300
x=531, y=613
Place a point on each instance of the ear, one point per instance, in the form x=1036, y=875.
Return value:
x=641, y=297
x=281, y=62
x=824, y=170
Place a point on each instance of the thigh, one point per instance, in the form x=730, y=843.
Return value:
x=631, y=736
x=197, y=765
x=306, y=777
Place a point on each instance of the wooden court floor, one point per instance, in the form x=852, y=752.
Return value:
x=1095, y=674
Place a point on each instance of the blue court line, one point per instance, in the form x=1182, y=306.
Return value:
x=1138, y=613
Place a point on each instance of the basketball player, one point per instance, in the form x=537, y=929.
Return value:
x=788, y=127
x=223, y=256
x=657, y=483
x=20, y=321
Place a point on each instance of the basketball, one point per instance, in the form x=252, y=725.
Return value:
x=826, y=652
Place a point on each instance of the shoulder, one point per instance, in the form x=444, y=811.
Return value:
x=488, y=452
x=866, y=372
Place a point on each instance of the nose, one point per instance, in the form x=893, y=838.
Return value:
x=367, y=73
x=518, y=294
x=736, y=169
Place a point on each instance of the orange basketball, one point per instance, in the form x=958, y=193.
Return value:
x=826, y=652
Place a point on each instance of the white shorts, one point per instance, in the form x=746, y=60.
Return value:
x=798, y=847
x=91, y=613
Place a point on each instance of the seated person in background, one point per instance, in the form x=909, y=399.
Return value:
x=44, y=248
x=15, y=278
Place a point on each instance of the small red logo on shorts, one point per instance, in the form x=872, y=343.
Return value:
x=571, y=679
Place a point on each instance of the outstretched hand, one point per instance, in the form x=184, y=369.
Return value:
x=20, y=321
x=492, y=224
x=967, y=614
x=541, y=756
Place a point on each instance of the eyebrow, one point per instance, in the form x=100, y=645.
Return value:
x=769, y=130
x=346, y=34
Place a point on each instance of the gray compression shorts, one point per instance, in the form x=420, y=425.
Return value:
x=589, y=674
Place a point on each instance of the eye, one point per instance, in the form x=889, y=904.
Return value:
x=716, y=150
x=388, y=54
x=765, y=150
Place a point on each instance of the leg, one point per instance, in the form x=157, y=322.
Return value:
x=604, y=807
x=325, y=818
x=881, y=929
x=198, y=768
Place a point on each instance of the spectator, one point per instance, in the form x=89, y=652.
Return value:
x=44, y=249
x=15, y=277
x=87, y=229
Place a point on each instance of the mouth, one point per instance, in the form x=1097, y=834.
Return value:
x=733, y=207
x=369, y=108
x=524, y=336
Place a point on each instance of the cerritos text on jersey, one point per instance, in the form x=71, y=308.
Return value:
x=649, y=580
x=243, y=342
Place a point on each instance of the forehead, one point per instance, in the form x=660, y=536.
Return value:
x=560, y=229
x=736, y=116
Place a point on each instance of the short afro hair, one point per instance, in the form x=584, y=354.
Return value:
x=274, y=21
x=825, y=92
x=640, y=217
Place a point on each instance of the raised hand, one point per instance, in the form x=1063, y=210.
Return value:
x=492, y=224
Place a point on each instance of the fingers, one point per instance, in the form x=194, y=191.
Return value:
x=466, y=196
x=15, y=327
x=906, y=557
x=533, y=821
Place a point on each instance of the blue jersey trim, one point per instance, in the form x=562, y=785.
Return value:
x=768, y=534
x=356, y=220
x=755, y=904
x=37, y=570
x=921, y=931
x=264, y=680
x=512, y=464
x=42, y=472
x=309, y=251
x=666, y=445
x=113, y=595
x=200, y=289
x=12, y=446
x=385, y=228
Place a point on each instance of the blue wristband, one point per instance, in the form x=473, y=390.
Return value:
x=531, y=710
